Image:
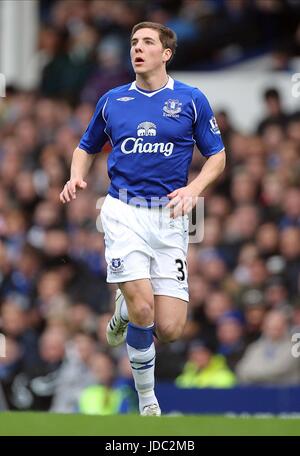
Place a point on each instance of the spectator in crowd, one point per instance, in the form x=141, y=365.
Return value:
x=75, y=374
x=269, y=360
x=101, y=398
x=218, y=303
x=204, y=369
x=274, y=109
x=230, y=335
x=255, y=311
x=109, y=73
x=16, y=325
x=125, y=383
x=290, y=250
x=10, y=366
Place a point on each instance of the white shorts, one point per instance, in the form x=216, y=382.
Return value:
x=143, y=243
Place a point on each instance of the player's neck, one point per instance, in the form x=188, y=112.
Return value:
x=152, y=82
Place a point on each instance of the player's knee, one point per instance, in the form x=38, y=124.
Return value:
x=169, y=333
x=142, y=313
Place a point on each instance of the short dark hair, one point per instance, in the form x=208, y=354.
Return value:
x=271, y=92
x=167, y=36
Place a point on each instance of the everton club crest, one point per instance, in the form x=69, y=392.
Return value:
x=172, y=108
x=116, y=265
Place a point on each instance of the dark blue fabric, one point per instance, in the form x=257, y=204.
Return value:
x=144, y=364
x=139, y=337
x=240, y=399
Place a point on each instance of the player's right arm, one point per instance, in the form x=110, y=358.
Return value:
x=80, y=166
x=91, y=143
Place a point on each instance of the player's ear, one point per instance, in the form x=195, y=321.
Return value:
x=167, y=55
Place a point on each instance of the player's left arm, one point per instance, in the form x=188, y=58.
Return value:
x=211, y=170
x=208, y=139
x=185, y=198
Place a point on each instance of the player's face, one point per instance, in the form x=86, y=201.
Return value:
x=147, y=53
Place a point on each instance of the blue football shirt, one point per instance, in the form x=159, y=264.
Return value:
x=152, y=136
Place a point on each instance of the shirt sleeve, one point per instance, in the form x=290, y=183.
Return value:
x=95, y=136
x=206, y=131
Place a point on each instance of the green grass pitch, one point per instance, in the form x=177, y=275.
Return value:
x=50, y=424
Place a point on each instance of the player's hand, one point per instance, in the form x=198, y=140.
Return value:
x=182, y=201
x=69, y=191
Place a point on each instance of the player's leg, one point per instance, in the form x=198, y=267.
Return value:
x=140, y=344
x=140, y=301
x=135, y=266
x=138, y=332
x=168, y=271
x=118, y=221
x=170, y=301
x=169, y=276
x=170, y=317
x=128, y=259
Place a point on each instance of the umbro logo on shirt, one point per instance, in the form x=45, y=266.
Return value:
x=125, y=99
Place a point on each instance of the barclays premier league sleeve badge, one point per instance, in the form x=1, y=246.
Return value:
x=214, y=128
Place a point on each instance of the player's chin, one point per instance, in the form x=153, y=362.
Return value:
x=139, y=70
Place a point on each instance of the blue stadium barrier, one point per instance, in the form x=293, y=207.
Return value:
x=241, y=399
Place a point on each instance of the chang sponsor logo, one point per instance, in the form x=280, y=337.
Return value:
x=138, y=145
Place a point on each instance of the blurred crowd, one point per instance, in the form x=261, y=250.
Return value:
x=55, y=303
x=84, y=45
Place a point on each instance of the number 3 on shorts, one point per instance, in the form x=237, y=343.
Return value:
x=182, y=268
